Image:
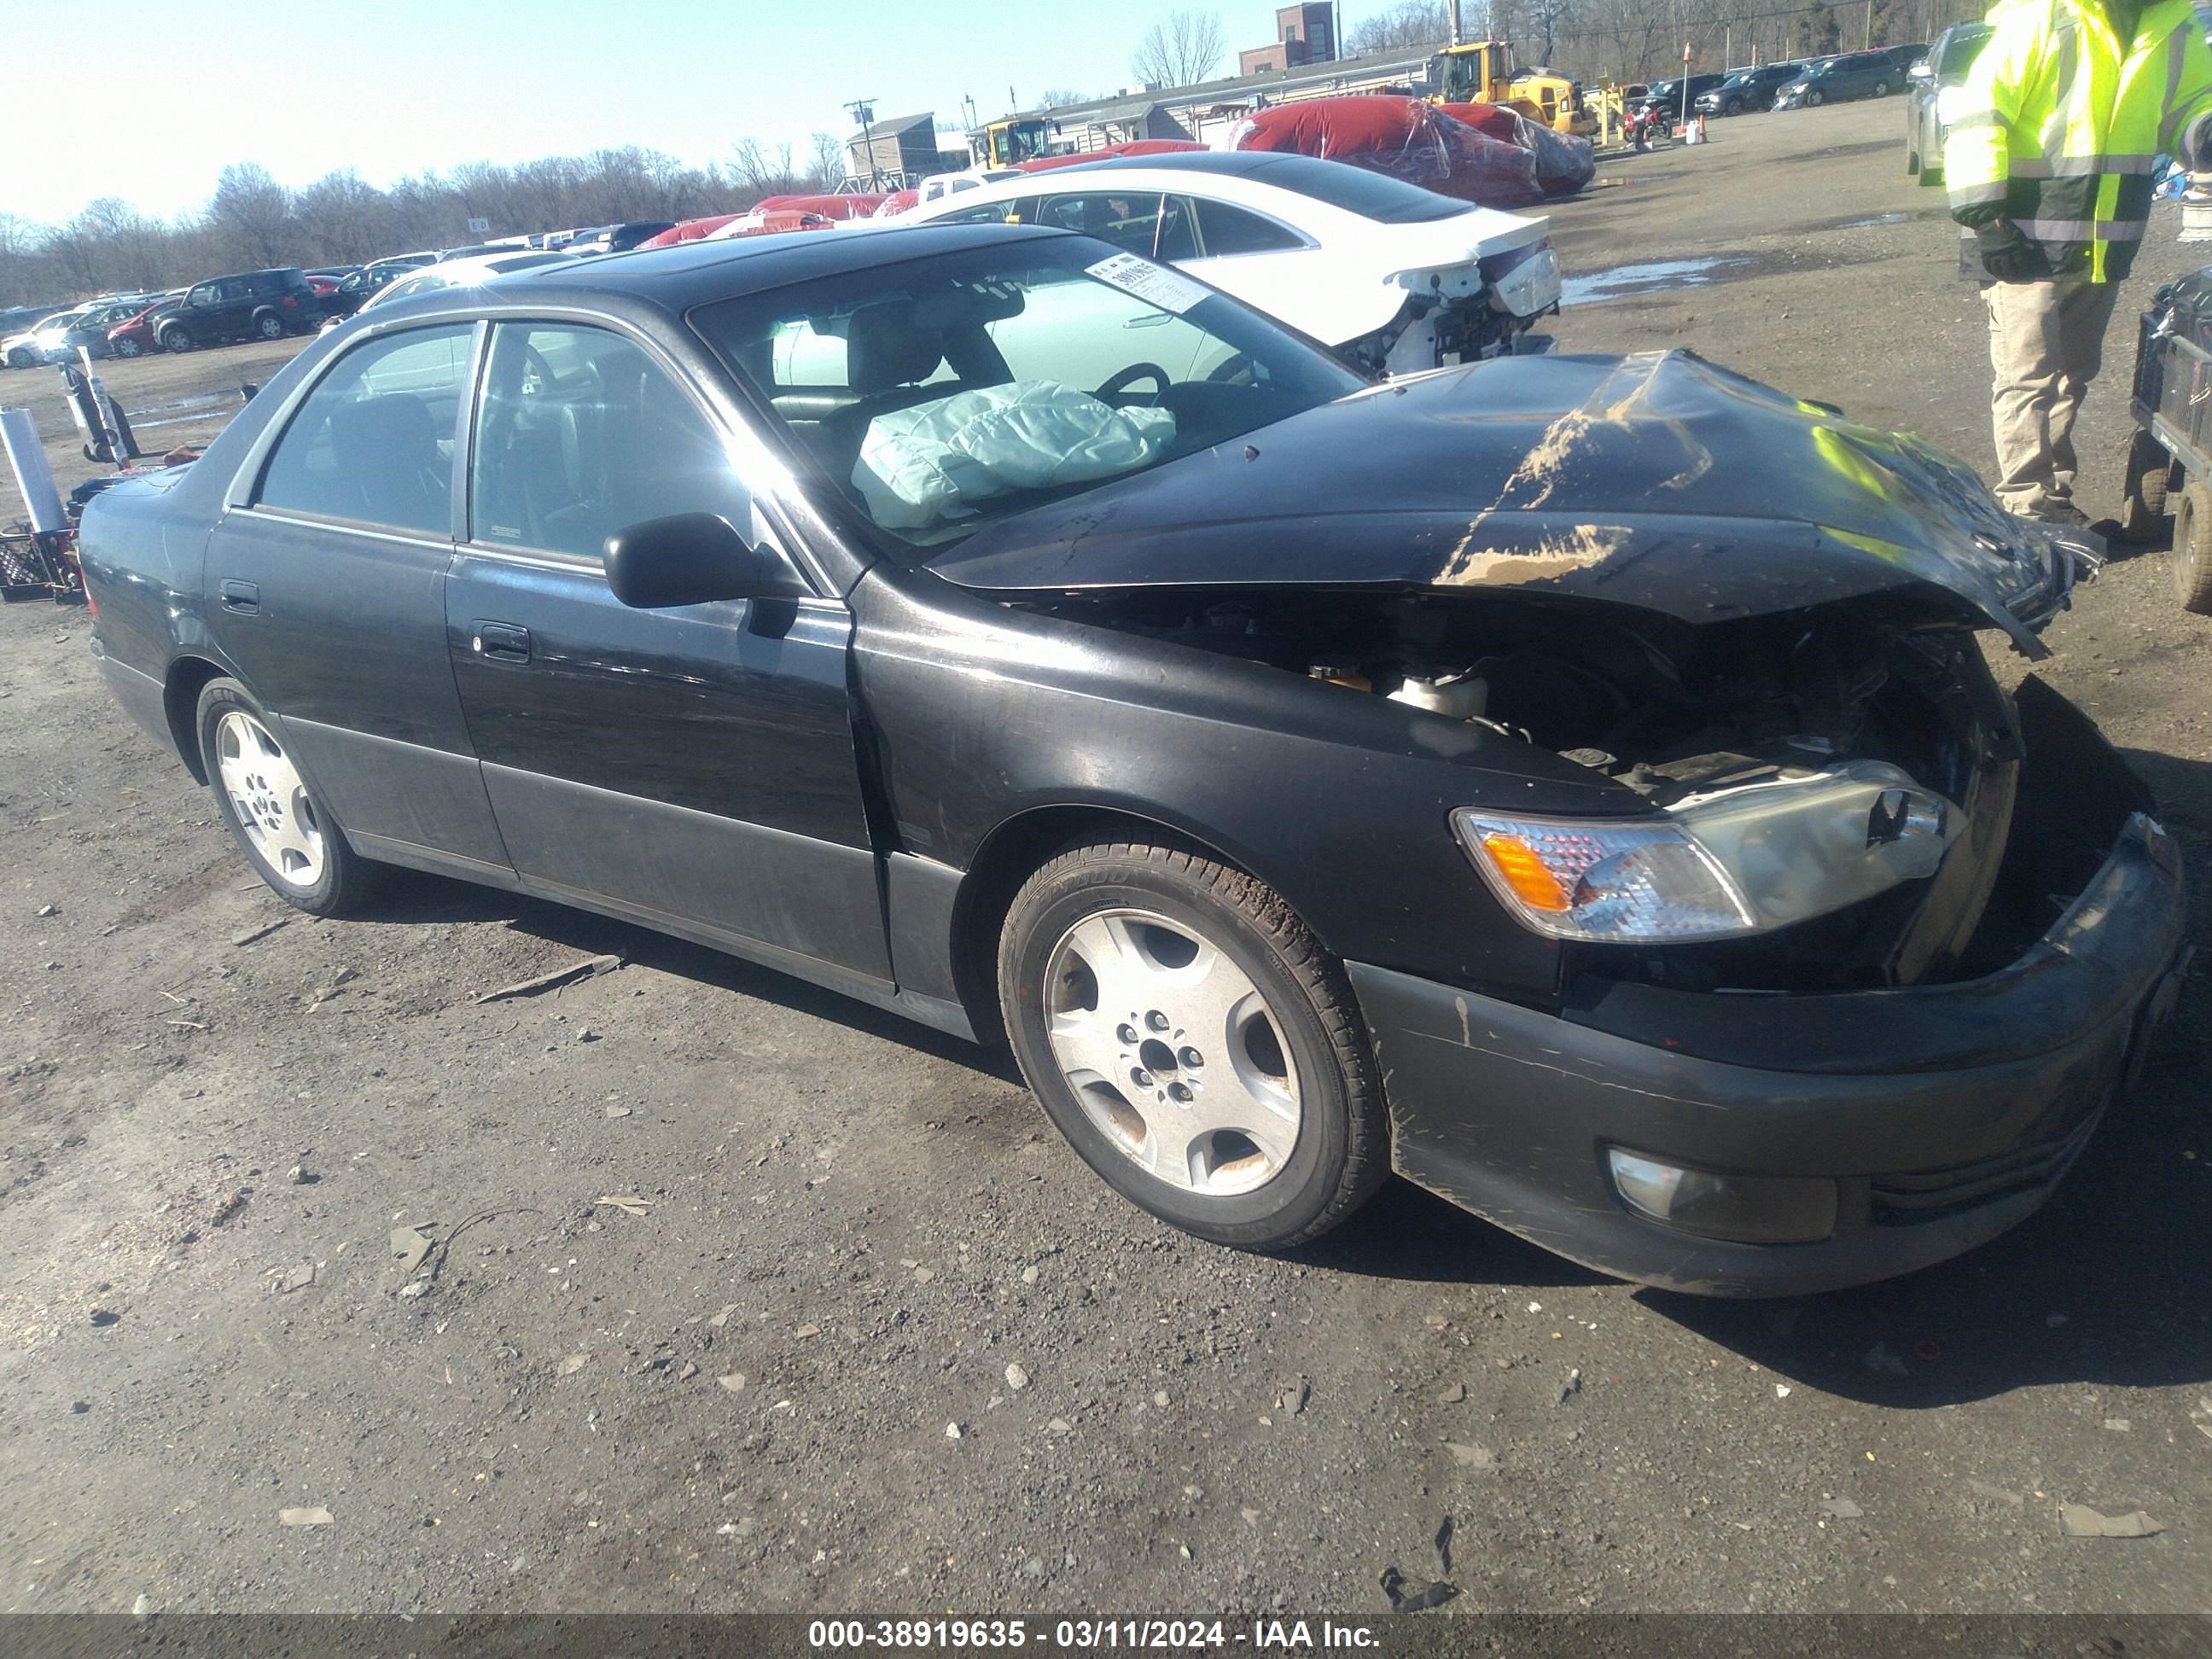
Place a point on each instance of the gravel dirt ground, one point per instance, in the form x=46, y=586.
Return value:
x=864, y=1336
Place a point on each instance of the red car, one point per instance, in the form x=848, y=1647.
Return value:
x=134, y=337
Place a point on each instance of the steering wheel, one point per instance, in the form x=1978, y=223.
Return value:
x=1120, y=382
x=1236, y=370
x=537, y=372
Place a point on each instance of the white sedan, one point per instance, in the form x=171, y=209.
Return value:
x=1390, y=276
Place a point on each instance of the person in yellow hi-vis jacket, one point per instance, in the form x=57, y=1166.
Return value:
x=2049, y=166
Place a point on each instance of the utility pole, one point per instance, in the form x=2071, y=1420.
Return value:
x=863, y=111
x=1454, y=10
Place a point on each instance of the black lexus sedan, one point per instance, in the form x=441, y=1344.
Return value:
x=1573, y=783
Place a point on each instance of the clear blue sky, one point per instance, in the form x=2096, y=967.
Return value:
x=406, y=86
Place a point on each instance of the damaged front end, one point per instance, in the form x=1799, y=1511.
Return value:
x=1829, y=951
x=1753, y=619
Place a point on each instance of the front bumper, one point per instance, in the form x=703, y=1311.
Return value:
x=1947, y=1114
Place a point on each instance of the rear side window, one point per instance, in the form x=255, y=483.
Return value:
x=1225, y=230
x=1961, y=50
x=374, y=442
x=580, y=435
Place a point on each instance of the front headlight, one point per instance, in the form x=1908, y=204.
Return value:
x=1718, y=865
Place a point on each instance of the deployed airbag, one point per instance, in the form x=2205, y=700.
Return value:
x=921, y=465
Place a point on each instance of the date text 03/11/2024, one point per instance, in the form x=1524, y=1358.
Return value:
x=1089, y=1635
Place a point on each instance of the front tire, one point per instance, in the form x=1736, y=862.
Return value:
x=176, y=339
x=128, y=348
x=1882, y=88
x=293, y=844
x=1813, y=100
x=23, y=357
x=1195, y=1043
x=268, y=326
x=1734, y=107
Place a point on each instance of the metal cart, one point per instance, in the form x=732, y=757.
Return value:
x=2169, y=459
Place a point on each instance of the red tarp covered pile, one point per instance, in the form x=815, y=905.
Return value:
x=1480, y=152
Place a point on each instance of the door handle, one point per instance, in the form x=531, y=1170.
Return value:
x=240, y=598
x=501, y=641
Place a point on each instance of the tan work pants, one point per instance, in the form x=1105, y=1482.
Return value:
x=2046, y=342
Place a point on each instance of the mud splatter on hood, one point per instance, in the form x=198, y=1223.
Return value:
x=1658, y=481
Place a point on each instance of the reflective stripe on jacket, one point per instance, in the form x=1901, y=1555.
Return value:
x=2061, y=123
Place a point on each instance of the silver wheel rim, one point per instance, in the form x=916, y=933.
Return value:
x=270, y=800
x=1173, y=1053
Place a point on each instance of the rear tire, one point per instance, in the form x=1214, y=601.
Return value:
x=293, y=844
x=2142, y=489
x=1195, y=1043
x=2191, y=553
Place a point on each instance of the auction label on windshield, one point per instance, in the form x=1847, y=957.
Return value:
x=1170, y=290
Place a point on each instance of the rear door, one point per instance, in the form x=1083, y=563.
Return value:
x=693, y=769
x=326, y=589
x=1266, y=263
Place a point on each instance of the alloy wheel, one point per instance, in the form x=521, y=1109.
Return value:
x=266, y=793
x=1172, y=1051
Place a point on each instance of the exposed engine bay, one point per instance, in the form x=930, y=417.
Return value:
x=1892, y=742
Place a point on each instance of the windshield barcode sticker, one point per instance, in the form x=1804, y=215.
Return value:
x=1169, y=290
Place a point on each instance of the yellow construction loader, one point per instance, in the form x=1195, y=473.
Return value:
x=1481, y=72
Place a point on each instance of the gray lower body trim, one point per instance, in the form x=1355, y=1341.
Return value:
x=814, y=899
x=141, y=695
x=400, y=792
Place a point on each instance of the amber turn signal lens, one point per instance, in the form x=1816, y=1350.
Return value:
x=1525, y=873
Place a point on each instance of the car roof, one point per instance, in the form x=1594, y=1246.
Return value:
x=674, y=279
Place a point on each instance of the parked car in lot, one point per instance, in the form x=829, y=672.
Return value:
x=91, y=328
x=18, y=326
x=253, y=305
x=1837, y=80
x=30, y=347
x=1666, y=96
x=1357, y=259
x=461, y=273
x=614, y=239
x=1607, y=820
x=1748, y=89
x=135, y=335
x=1932, y=91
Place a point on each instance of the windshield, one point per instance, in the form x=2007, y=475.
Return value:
x=940, y=395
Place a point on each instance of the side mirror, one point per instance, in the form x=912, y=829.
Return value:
x=1920, y=71
x=693, y=558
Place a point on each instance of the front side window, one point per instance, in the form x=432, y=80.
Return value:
x=374, y=442
x=582, y=434
x=939, y=395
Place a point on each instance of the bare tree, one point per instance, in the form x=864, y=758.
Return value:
x=1054, y=97
x=1408, y=24
x=1181, y=50
x=825, y=167
x=253, y=214
x=1546, y=18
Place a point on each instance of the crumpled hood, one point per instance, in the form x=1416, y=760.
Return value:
x=1657, y=480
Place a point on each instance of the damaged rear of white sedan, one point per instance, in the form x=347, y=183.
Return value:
x=1575, y=783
